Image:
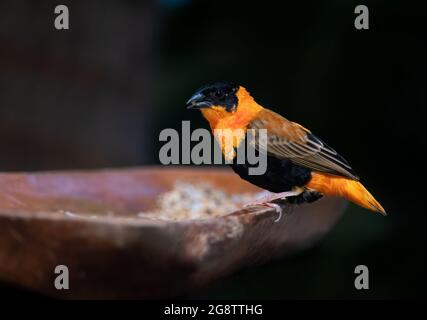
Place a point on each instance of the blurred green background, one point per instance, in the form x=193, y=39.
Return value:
x=99, y=94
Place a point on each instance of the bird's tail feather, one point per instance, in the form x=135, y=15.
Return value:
x=352, y=190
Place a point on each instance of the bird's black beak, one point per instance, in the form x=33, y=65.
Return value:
x=198, y=101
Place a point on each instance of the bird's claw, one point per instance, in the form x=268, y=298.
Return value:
x=267, y=201
x=275, y=206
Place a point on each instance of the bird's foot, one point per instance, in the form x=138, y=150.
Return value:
x=267, y=200
x=280, y=196
x=275, y=206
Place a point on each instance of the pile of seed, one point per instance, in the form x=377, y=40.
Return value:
x=196, y=201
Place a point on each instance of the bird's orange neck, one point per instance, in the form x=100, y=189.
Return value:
x=220, y=118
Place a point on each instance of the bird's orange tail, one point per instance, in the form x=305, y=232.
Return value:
x=352, y=190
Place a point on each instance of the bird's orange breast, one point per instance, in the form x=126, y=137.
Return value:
x=224, y=123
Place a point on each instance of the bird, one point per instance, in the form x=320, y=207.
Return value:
x=301, y=168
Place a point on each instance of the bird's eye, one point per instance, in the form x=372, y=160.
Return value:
x=218, y=94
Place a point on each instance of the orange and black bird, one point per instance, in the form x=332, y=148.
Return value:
x=300, y=166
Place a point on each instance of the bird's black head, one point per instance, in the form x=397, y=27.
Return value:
x=219, y=94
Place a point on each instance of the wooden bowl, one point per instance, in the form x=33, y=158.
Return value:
x=110, y=252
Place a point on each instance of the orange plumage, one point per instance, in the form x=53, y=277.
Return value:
x=351, y=190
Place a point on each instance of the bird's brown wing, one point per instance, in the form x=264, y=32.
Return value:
x=287, y=139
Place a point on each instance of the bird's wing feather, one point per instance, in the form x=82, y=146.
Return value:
x=287, y=139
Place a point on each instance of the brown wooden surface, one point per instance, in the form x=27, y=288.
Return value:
x=119, y=255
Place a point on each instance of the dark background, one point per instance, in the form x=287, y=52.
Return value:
x=98, y=95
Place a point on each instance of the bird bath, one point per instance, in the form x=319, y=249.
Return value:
x=95, y=223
